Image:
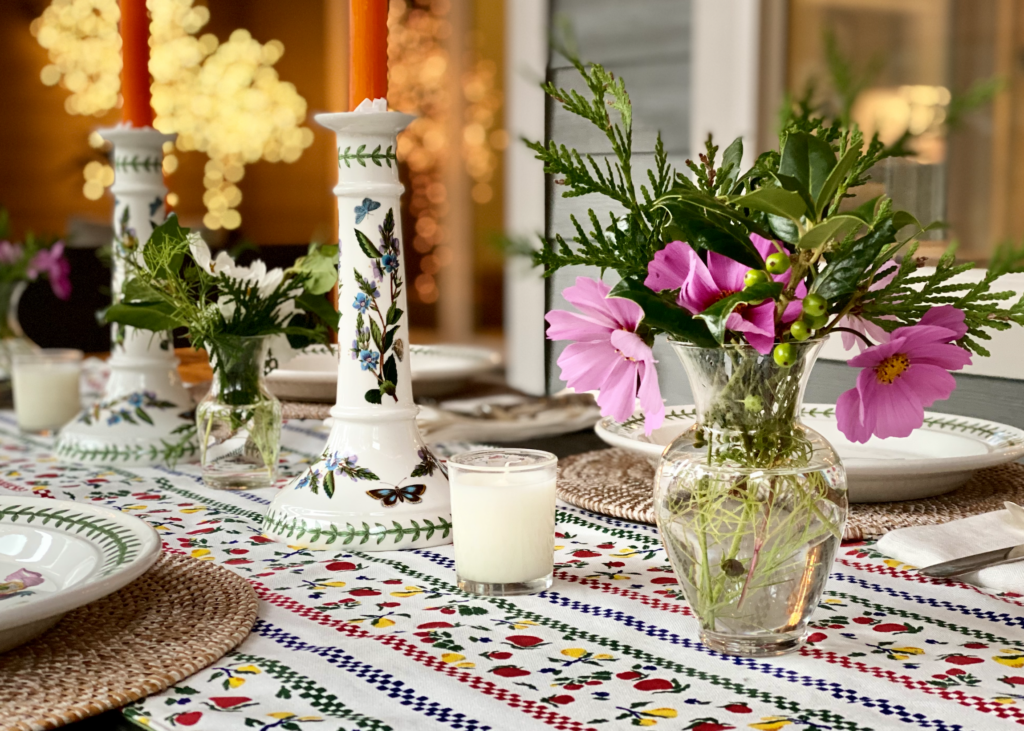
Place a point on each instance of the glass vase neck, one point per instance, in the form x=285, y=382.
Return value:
x=237, y=364
x=735, y=388
x=10, y=297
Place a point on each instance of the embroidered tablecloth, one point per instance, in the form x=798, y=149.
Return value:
x=350, y=639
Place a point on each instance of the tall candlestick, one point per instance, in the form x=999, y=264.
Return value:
x=136, y=109
x=368, y=41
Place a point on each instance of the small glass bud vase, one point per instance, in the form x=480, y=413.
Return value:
x=239, y=420
x=750, y=503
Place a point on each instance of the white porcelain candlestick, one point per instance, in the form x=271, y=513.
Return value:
x=144, y=417
x=376, y=486
x=503, y=508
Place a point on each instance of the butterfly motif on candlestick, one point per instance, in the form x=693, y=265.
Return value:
x=364, y=208
x=390, y=496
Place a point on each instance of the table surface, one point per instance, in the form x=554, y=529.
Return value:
x=355, y=639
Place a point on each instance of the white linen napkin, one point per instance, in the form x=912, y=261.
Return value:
x=924, y=545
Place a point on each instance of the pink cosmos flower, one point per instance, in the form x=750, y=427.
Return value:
x=701, y=285
x=608, y=355
x=52, y=263
x=10, y=253
x=866, y=327
x=903, y=376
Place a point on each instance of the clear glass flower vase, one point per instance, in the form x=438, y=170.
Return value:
x=13, y=340
x=239, y=420
x=750, y=503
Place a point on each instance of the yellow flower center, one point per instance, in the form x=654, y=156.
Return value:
x=892, y=368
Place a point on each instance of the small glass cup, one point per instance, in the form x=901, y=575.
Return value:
x=503, y=518
x=45, y=386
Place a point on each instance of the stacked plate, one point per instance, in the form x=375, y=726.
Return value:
x=940, y=456
x=57, y=556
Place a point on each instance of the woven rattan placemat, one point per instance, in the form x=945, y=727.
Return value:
x=177, y=618
x=618, y=483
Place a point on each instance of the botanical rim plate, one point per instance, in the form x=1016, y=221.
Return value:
x=940, y=456
x=436, y=370
x=57, y=556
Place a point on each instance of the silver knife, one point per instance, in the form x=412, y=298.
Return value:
x=978, y=561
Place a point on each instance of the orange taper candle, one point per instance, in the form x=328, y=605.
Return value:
x=368, y=41
x=136, y=109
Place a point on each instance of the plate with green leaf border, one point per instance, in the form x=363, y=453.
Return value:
x=56, y=556
x=942, y=455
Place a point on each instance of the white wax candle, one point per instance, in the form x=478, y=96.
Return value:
x=46, y=395
x=504, y=525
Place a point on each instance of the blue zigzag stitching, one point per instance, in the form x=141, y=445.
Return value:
x=616, y=522
x=886, y=708
x=1009, y=620
x=834, y=689
x=384, y=682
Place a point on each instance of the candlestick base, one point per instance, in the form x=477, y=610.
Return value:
x=145, y=416
x=376, y=487
x=515, y=588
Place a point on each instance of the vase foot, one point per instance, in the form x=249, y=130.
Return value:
x=769, y=646
x=513, y=588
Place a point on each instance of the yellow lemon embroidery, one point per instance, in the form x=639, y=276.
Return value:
x=771, y=724
x=409, y=591
x=249, y=669
x=281, y=714
x=236, y=682
x=574, y=652
x=603, y=656
x=661, y=712
x=200, y=552
x=382, y=622
x=333, y=584
x=452, y=657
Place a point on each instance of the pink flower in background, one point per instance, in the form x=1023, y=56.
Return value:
x=608, y=355
x=52, y=263
x=903, y=376
x=866, y=327
x=17, y=582
x=10, y=253
x=701, y=285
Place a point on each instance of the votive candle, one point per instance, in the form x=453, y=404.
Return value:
x=45, y=388
x=503, y=519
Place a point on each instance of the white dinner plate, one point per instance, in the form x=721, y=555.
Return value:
x=56, y=556
x=940, y=456
x=436, y=370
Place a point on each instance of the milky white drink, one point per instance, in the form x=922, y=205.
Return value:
x=503, y=517
x=45, y=388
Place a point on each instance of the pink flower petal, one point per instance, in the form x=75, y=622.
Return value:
x=671, y=266
x=930, y=383
x=631, y=346
x=896, y=408
x=587, y=366
x=727, y=273
x=564, y=325
x=618, y=393
x=27, y=577
x=591, y=297
x=757, y=325
x=948, y=356
x=795, y=308
x=848, y=416
x=876, y=354
x=948, y=317
x=651, y=402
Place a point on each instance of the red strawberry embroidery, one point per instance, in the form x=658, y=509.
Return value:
x=501, y=655
x=573, y=686
x=560, y=700
x=863, y=620
x=1013, y=680
x=341, y=566
x=890, y=627
x=239, y=551
x=364, y=592
x=237, y=561
x=963, y=659
x=605, y=546
x=816, y=637
x=956, y=671
x=709, y=725
x=738, y=708
x=584, y=553
x=525, y=641
x=976, y=646
x=654, y=684
x=664, y=580
x=510, y=671
x=435, y=625
x=628, y=675
x=393, y=581
x=187, y=719
x=225, y=702
x=261, y=539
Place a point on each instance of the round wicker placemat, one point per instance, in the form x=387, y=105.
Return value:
x=305, y=410
x=618, y=483
x=177, y=618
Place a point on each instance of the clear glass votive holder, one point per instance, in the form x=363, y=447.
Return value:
x=503, y=520
x=45, y=388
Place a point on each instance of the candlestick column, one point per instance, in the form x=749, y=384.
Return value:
x=145, y=415
x=376, y=485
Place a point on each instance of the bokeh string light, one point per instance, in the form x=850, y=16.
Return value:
x=419, y=82
x=223, y=99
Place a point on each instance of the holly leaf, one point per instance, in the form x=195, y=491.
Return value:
x=663, y=314
x=831, y=184
x=843, y=274
x=716, y=315
x=808, y=160
x=777, y=201
x=155, y=316
x=836, y=227
x=693, y=222
x=731, y=160
x=366, y=245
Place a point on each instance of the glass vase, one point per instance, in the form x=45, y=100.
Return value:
x=12, y=339
x=239, y=420
x=750, y=503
